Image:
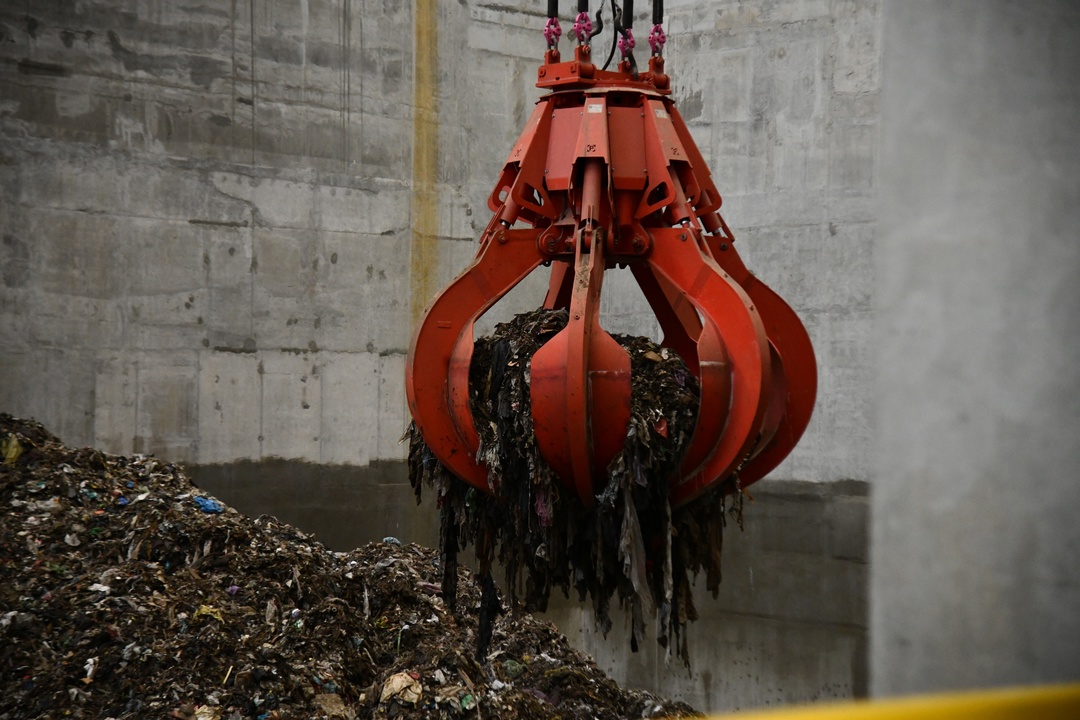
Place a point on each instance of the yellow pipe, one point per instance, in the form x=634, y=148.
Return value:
x=424, y=257
x=1050, y=702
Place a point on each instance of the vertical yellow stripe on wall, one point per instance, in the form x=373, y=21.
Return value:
x=425, y=169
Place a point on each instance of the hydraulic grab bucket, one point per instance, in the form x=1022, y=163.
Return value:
x=607, y=175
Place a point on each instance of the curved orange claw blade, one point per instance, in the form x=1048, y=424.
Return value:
x=580, y=387
x=702, y=349
x=793, y=382
x=798, y=365
x=727, y=309
x=438, y=394
x=677, y=316
x=582, y=374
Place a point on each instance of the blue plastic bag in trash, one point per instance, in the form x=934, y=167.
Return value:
x=208, y=505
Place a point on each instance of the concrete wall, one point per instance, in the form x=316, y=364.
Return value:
x=206, y=226
x=783, y=97
x=209, y=213
x=220, y=221
x=975, y=577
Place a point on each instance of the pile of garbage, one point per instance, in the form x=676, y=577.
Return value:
x=125, y=592
x=632, y=545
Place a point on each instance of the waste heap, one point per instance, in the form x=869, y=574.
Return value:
x=127, y=593
x=631, y=545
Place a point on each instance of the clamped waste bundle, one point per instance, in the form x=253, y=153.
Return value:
x=606, y=174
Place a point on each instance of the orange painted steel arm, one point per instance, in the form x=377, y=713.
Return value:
x=503, y=261
x=727, y=308
x=677, y=316
x=580, y=379
x=793, y=390
x=795, y=352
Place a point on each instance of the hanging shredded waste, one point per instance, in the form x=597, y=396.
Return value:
x=631, y=545
x=125, y=592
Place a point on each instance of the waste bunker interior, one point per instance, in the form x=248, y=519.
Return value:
x=221, y=225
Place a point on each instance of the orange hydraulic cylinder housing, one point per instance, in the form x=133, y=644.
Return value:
x=607, y=175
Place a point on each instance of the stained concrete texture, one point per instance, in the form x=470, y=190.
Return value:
x=206, y=226
x=210, y=213
x=345, y=507
x=218, y=224
x=975, y=579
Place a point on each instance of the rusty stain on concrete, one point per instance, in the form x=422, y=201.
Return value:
x=425, y=198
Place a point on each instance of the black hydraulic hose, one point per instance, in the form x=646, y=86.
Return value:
x=614, y=36
x=657, y=12
x=553, y=8
x=628, y=13
x=582, y=6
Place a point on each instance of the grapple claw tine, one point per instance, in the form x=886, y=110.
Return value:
x=677, y=316
x=580, y=404
x=793, y=361
x=444, y=339
x=731, y=322
x=582, y=374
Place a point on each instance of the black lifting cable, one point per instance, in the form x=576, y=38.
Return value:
x=623, y=19
x=583, y=6
x=624, y=22
x=615, y=13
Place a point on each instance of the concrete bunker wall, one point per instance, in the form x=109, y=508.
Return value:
x=220, y=222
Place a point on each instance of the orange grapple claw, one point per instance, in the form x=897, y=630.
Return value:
x=606, y=174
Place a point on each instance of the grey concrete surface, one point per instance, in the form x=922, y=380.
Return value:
x=217, y=229
x=975, y=579
x=207, y=211
x=345, y=506
x=206, y=219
